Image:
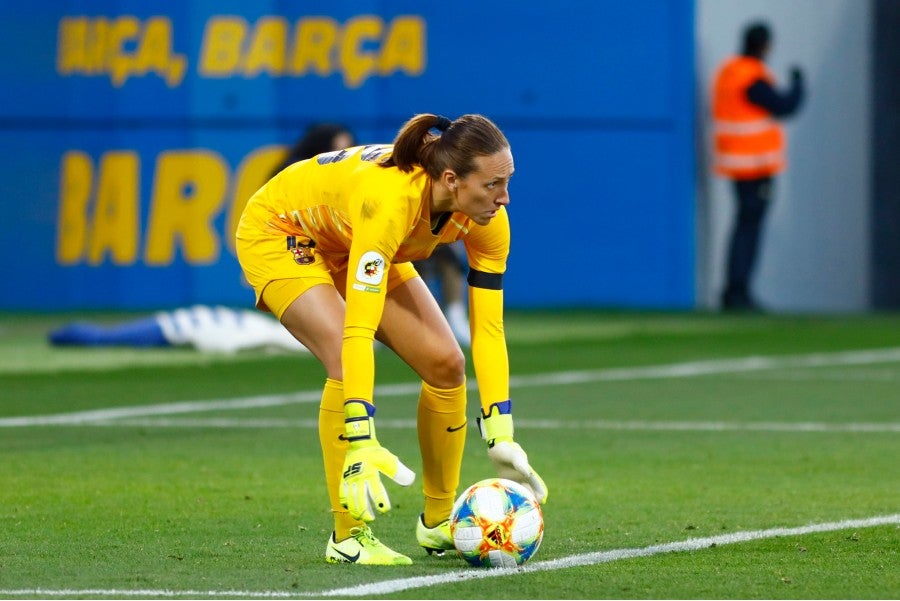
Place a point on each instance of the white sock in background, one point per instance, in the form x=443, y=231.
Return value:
x=459, y=323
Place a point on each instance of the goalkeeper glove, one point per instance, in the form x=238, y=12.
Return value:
x=366, y=459
x=508, y=457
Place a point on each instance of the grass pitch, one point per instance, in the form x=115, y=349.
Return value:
x=672, y=444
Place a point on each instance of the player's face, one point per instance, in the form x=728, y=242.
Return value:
x=482, y=192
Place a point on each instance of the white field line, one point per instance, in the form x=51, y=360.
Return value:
x=386, y=587
x=589, y=559
x=114, y=413
x=854, y=373
x=673, y=370
x=526, y=424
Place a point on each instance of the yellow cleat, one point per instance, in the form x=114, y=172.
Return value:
x=435, y=540
x=363, y=548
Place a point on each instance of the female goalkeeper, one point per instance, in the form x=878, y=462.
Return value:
x=327, y=245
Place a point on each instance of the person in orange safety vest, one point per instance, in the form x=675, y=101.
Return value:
x=749, y=149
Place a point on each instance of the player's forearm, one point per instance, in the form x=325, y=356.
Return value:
x=358, y=363
x=489, y=353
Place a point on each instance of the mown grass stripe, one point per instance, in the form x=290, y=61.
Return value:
x=675, y=370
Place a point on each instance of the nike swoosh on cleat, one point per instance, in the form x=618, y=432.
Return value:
x=456, y=429
x=350, y=558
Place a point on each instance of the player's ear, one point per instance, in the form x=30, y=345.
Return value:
x=449, y=179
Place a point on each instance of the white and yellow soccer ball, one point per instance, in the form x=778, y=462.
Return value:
x=497, y=523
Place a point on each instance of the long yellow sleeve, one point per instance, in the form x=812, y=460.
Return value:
x=489, y=354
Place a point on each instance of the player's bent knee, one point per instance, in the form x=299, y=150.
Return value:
x=447, y=370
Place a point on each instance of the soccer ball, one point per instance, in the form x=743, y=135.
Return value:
x=497, y=523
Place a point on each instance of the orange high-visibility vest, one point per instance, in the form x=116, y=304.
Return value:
x=749, y=142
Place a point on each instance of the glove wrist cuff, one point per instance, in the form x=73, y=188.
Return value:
x=497, y=425
x=359, y=422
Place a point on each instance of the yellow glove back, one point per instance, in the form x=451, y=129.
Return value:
x=508, y=457
x=361, y=489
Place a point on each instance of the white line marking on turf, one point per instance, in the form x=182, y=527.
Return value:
x=113, y=413
x=712, y=367
x=675, y=370
x=854, y=374
x=529, y=424
x=551, y=424
x=386, y=587
x=588, y=559
x=97, y=415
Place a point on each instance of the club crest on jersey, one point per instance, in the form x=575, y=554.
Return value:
x=303, y=251
x=370, y=269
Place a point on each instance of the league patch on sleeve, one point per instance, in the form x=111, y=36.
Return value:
x=370, y=270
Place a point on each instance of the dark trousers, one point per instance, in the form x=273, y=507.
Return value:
x=752, y=201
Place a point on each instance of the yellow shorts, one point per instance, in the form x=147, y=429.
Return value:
x=281, y=267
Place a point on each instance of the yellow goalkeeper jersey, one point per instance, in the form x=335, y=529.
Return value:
x=364, y=217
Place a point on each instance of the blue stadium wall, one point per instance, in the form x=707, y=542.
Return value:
x=132, y=133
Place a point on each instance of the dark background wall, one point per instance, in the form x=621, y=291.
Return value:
x=886, y=157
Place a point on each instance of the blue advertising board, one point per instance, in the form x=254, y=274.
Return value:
x=134, y=132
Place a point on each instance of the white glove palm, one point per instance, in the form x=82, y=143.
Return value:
x=511, y=463
x=508, y=457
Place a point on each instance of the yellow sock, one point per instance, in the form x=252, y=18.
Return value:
x=334, y=447
x=442, y=439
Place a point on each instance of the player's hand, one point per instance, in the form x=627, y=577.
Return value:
x=511, y=463
x=362, y=492
x=508, y=457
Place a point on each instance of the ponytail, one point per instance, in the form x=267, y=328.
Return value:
x=459, y=143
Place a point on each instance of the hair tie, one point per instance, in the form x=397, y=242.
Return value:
x=442, y=123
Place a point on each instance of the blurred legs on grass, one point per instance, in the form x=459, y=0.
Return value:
x=444, y=271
